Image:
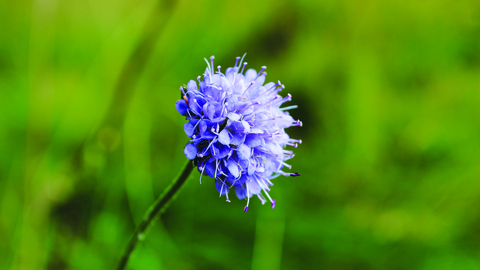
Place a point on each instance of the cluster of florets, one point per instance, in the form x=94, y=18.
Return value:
x=237, y=131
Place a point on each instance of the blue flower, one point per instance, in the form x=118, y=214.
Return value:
x=237, y=129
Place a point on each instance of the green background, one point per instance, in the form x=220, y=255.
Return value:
x=388, y=91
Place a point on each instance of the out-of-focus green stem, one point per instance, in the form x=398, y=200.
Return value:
x=152, y=212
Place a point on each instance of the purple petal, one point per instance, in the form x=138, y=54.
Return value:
x=253, y=187
x=224, y=150
x=194, y=106
x=231, y=72
x=248, y=110
x=210, y=169
x=189, y=129
x=238, y=138
x=209, y=111
x=202, y=85
x=233, y=168
x=209, y=135
x=244, y=152
x=243, y=164
x=219, y=110
x=217, y=79
x=251, y=169
x=233, y=116
x=181, y=106
x=242, y=180
x=250, y=75
x=221, y=187
x=253, y=140
x=254, y=92
x=203, y=126
x=192, y=86
x=224, y=137
x=274, y=148
x=260, y=80
x=240, y=192
x=190, y=151
x=219, y=150
x=256, y=130
x=269, y=85
x=212, y=92
x=246, y=126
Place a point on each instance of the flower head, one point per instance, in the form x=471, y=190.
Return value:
x=237, y=129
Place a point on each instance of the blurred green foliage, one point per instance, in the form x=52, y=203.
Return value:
x=388, y=92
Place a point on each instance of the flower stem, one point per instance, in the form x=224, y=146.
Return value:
x=152, y=212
